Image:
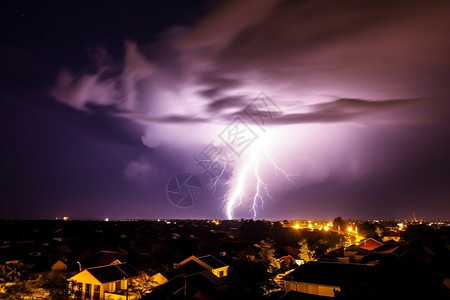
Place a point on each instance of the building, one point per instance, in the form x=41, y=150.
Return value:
x=391, y=235
x=326, y=279
x=59, y=266
x=111, y=282
x=202, y=277
x=370, y=244
x=208, y=262
x=88, y=259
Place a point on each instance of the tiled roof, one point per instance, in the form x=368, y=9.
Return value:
x=103, y=258
x=370, y=244
x=113, y=272
x=212, y=261
x=190, y=267
x=328, y=273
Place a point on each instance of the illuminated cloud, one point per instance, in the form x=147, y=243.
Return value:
x=332, y=67
x=140, y=172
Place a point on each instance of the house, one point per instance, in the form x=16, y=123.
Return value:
x=391, y=247
x=101, y=258
x=351, y=254
x=203, y=277
x=59, y=266
x=208, y=262
x=370, y=244
x=327, y=279
x=391, y=235
x=289, y=254
x=190, y=280
x=158, y=279
x=103, y=283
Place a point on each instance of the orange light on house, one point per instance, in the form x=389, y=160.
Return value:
x=296, y=226
x=349, y=229
x=309, y=225
x=326, y=228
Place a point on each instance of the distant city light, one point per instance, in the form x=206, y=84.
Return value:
x=106, y=219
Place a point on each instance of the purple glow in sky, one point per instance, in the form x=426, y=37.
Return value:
x=362, y=86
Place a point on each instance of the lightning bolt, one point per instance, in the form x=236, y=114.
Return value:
x=220, y=163
x=235, y=196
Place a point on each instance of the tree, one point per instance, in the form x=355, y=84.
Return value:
x=267, y=255
x=380, y=229
x=305, y=253
x=252, y=278
x=50, y=286
x=144, y=284
x=55, y=283
x=26, y=290
x=73, y=291
x=13, y=272
x=367, y=229
x=339, y=224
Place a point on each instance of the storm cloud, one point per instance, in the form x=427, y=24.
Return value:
x=362, y=88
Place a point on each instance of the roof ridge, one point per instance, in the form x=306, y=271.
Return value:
x=123, y=272
x=214, y=258
x=105, y=266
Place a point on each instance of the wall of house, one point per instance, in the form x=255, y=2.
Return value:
x=311, y=288
x=158, y=279
x=344, y=260
x=388, y=238
x=92, y=291
x=85, y=277
x=108, y=287
x=358, y=257
x=218, y=270
x=112, y=296
x=208, y=267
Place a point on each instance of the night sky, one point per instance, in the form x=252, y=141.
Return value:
x=102, y=103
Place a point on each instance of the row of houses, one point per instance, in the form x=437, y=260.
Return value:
x=326, y=277
x=371, y=270
x=120, y=281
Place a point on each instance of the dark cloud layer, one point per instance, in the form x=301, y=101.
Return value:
x=407, y=111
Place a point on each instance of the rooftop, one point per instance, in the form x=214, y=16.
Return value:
x=370, y=244
x=329, y=273
x=212, y=261
x=113, y=272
